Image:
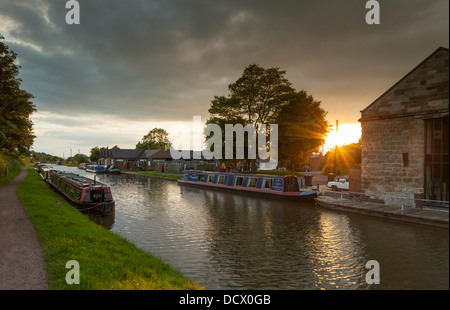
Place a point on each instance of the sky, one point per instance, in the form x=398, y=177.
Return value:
x=133, y=65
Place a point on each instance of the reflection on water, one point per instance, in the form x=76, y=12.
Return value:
x=226, y=241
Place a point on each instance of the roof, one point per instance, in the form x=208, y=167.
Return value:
x=438, y=50
x=121, y=153
x=156, y=154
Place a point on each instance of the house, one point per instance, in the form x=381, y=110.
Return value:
x=405, y=136
x=316, y=161
x=123, y=158
x=150, y=159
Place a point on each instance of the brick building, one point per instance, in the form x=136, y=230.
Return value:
x=405, y=135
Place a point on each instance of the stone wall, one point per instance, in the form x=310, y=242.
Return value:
x=393, y=131
x=386, y=170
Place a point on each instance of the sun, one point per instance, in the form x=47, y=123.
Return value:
x=347, y=134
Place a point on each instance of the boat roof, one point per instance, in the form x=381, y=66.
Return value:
x=78, y=179
x=238, y=174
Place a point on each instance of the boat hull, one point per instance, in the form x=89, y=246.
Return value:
x=293, y=196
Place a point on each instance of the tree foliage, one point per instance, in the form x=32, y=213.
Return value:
x=265, y=96
x=302, y=126
x=157, y=138
x=255, y=98
x=16, y=128
x=341, y=159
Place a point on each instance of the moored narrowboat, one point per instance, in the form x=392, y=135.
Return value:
x=89, y=196
x=91, y=167
x=265, y=185
x=43, y=170
x=111, y=169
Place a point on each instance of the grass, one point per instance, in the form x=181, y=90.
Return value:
x=158, y=174
x=106, y=260
x=274, y=172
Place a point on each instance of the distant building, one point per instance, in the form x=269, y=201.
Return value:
x=316, y=161
x=150, y=159
x=405, y=135
x=122, y=158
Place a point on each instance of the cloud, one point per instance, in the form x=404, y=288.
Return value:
x=164, y=61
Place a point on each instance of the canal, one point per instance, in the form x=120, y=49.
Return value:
x=228, y=241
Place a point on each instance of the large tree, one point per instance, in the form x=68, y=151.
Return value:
x=302, y=127
x=157, y=138
x=16, y=128
x=255, y=98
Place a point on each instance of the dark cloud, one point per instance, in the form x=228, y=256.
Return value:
x=165, y=60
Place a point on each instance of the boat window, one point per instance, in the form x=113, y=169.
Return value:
x=210, y=178
x=239, y=181
x=267, y=183
x=277, y=185
x=252, y=182
x=221, y=179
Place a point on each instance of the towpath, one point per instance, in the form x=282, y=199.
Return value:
x=21, y=263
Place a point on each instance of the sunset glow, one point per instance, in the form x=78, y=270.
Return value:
x=347, y=134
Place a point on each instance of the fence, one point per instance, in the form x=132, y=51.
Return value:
x=394, y=200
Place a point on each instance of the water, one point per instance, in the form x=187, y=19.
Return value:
x=228, y=241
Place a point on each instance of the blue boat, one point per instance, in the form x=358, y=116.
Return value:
x=111, y=169
x=100, y=169
x=264, y=185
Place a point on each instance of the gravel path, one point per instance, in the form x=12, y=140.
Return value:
x=21, y=263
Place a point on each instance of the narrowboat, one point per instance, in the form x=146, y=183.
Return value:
x=111, y=169
x=88, y=195
x=91, y=168
x=265, y=185
x=100, y=169
x=43, y=170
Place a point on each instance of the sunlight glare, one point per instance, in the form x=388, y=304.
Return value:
x=347, y=134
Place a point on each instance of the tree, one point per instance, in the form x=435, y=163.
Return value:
x=343, y=158
x=95, y=154
x=81, y=158
x=302, y=127
x=157, y=138
x=15, y=107
x=255, y=98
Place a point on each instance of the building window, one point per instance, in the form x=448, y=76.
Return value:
x=436, y=159
x=405, y=160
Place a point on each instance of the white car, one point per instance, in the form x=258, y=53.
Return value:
x=338, y=184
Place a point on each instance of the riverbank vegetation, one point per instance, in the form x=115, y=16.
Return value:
x=107, y=261
x=16, y=127
x=341, y=159
x=9, y=168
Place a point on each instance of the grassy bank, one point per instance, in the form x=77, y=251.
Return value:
x=106, y=260
x=177, y=176
x=157, y=174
